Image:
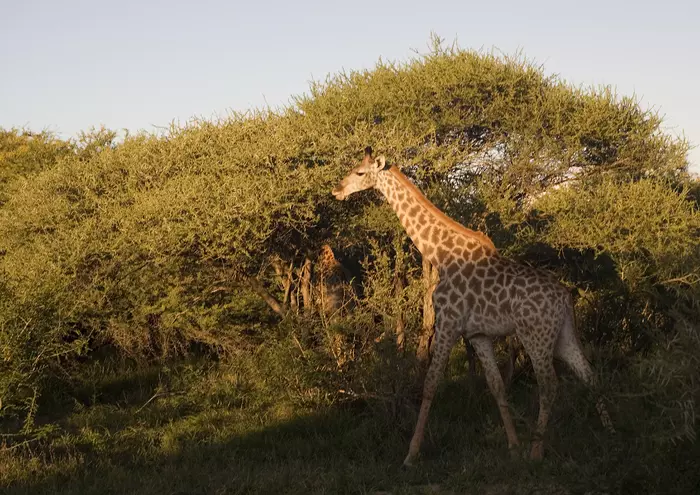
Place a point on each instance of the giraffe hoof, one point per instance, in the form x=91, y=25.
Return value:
x=408, y=461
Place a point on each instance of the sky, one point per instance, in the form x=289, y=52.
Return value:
x=141, y=65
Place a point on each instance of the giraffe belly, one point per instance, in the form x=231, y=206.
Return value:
x=477, y=326
x=476, y=322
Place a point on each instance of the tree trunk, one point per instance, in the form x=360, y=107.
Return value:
x=284, y=277
x=294, y=300
x=288, y=286
x=400, y=323
x=306, y=286
x=431, y=278
x=257, y=287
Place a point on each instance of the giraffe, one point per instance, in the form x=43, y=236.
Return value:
x=332, y=283
x=334, y=292
x=481, y=295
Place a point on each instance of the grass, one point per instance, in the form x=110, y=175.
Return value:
x=198, y=427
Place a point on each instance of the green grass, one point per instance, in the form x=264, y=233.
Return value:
x=200, y=428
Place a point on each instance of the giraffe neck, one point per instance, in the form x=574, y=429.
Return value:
x=429, y=228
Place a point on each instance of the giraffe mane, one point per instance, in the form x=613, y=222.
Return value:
x=440, y=216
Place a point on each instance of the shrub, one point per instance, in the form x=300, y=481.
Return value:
x=156, y=244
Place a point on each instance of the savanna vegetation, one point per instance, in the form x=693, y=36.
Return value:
x=193, y=312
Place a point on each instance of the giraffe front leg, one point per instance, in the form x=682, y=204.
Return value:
x=444, y=340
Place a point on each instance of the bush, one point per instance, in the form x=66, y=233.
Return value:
x=158, y=244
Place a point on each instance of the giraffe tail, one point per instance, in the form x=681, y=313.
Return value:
x=568, y=349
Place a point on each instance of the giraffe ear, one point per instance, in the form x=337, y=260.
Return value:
x=368, y=156
x=379, y=163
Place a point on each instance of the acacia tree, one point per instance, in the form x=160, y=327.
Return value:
x=156, y=243
x=23, y=153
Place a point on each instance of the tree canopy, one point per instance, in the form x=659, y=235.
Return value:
x=145, y=244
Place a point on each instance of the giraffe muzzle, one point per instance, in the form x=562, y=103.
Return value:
x=338, y=193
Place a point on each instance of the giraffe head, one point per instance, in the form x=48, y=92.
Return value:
x=362, y=177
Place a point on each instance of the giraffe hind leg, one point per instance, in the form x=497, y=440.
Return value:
x=540, y=350
x=543, y=364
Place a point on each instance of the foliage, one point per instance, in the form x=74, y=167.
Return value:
x=23, y=153
x=147, y=247
x=650, y=230
x=647, y=232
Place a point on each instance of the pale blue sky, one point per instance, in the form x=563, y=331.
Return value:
x=68, y=65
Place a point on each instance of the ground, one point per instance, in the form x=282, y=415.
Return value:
x=196, y=428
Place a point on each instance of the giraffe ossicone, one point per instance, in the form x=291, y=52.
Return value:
x=481, y=295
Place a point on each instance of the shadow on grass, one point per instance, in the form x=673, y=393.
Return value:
x=179, y=444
